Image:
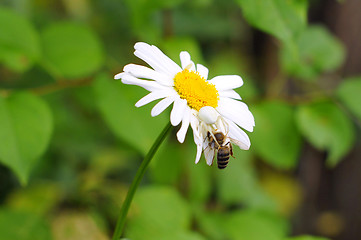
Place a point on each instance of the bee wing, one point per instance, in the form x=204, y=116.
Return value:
x=209, y=152
x=238, y=143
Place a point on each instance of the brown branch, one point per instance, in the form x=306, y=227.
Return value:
x=61, y=84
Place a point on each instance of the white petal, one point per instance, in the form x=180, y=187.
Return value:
x=203, y=71
x=148, y=85
x=186, y=61
x=150, y=97
x=184, y=128
x=195, y=127
x=179, y=107
x=230, y=94
x=199, y=153
x=242, y=139
x=144, y=52
x=145, y=72
x=161, y=106
x=156, y=58
x=227, y=82
x=237, y=112
x=173, y=67
x=119, y=75
x=196, y=135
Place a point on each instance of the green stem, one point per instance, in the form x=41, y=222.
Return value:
x=138, y=177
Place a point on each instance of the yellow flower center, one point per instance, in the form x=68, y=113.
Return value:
x=195, y=89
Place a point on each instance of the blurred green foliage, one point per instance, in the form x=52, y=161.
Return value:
x=327, y=128
x=31, y=225
x=282, y=19
x=74, y=42
x=23, y=116
x=73, y=138
x=313, y=46
x=276, y=119
x=15, y=53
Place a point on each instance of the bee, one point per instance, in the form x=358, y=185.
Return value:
x=219, y=142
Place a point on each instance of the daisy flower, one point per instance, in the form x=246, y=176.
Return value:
x=205, y=105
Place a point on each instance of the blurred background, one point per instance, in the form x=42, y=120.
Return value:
x=71, y=139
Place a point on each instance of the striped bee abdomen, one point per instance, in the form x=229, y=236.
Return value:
x=223, y=157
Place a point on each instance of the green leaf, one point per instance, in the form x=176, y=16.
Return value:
x=318, y=52
x=157, y=212
x=255, y=225
x=300, y=7
x=241, y=175
x=327, y=128
x=134, y=126
x=144, y=16
x=25, y=129
x=238, y=175
x=167, y=163
x=231, y=63
x=280, y=18
x=284, y=190
x=179, y=235
x=199, y=176
x=38, y=199
x=275, y=129
x=19, y=43
x=78, y=225
x=71, y=50
x=212, y=25
x=173, y=46
x=306, y=238
x=349, y=93
x=174, y=162
x=15, y=225
x=212, y=224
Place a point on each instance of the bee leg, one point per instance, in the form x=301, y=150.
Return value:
x=231, y=149
x=214, y=139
